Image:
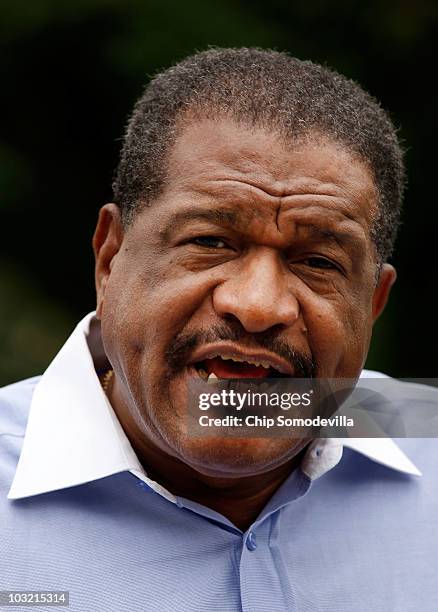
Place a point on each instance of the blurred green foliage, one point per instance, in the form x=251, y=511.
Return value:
x=70, y=72
x=32, y=326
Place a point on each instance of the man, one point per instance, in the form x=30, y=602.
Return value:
x=256, y=204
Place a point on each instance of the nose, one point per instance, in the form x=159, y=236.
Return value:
x=258, y=296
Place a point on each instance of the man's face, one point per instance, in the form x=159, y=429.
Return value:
x=254, y=253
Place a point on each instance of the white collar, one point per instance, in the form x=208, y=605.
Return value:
x=73, y=435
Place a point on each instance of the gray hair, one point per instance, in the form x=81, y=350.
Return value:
x=268, y=89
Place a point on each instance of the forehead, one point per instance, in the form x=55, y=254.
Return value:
x=225, y=157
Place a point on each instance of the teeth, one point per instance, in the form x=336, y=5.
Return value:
x=264, y=364
x=227, y=357
x=205, y=376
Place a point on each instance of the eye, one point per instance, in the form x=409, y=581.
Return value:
x=321, y=263
x=210, y=242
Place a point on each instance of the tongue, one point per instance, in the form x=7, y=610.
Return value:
x=234, y=369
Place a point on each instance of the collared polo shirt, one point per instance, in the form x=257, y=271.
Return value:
x=353, y=528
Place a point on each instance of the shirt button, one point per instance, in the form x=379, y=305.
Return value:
x=251, y=541
x=317, y=451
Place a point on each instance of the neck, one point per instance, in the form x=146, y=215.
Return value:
x=240, y=499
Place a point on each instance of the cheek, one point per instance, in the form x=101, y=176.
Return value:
x=338, y=333
x=146, y=306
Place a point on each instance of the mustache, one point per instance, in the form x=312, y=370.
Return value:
x=184, y=343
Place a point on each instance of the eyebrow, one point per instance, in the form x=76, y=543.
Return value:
x=340, y=236
x=219, y=216
x=223, y=216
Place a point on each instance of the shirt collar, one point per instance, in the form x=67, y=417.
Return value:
x=73, y=435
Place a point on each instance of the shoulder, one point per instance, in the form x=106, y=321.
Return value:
x=15, y=402
x=409, y=415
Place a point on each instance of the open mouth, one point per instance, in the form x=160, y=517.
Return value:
x=222, y=366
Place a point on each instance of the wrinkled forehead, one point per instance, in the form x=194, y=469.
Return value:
x=224, y=154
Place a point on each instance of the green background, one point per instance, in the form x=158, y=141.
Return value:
x=70, y=72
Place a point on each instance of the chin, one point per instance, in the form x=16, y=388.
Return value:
x=235, y=457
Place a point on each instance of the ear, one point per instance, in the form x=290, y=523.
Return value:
x=387, y=278
x=107, y=240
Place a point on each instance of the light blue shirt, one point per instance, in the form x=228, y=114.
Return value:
x=351, y=531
